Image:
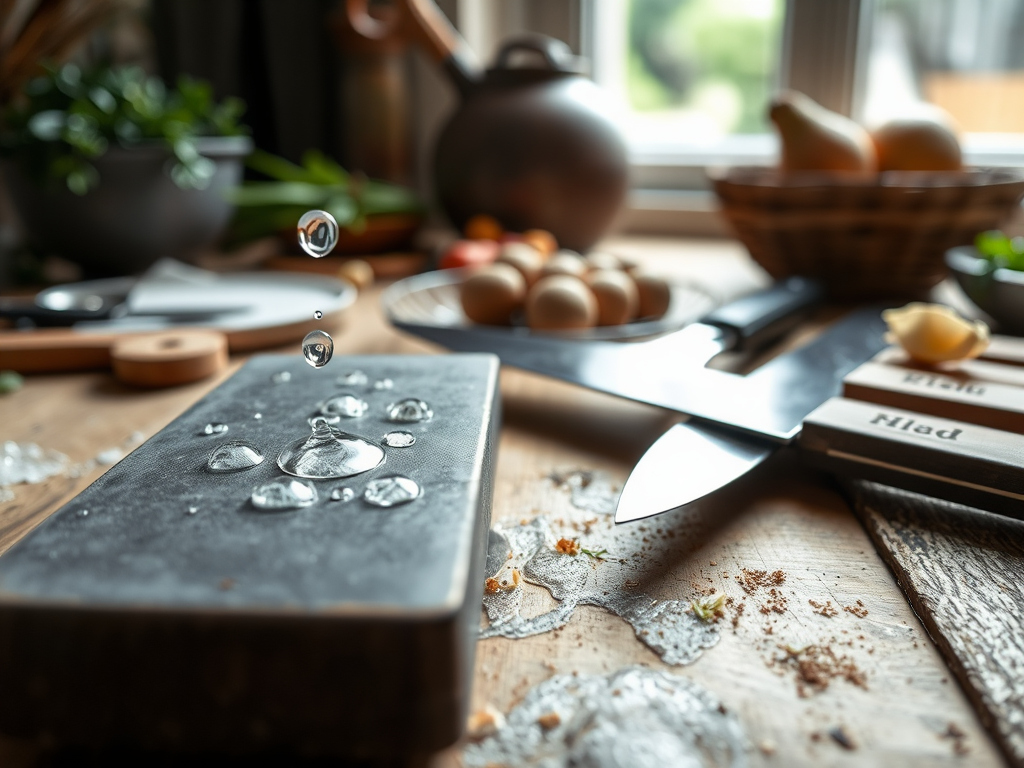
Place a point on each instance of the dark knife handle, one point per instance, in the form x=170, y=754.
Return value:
x=757, y=318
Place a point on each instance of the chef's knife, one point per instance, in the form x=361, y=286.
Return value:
x=738, y=421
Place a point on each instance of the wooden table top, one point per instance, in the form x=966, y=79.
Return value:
x=781, y=517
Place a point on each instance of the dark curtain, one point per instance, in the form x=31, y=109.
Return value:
x=278, y=55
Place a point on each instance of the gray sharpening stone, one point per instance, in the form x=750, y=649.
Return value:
x=341, y=629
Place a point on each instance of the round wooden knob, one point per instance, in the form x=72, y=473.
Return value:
x=169, y=358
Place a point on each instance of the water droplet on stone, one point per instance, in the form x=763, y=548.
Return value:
x=234, y=456
x=399, y=439
x=391, y=491
x=191, y=510
x=315, y=421
x=346, y=406
x=284, y=493
x=215, y=429
x=341, y=493
x=318, y=233
x=318, y=314
x=408, y=411
x=353, y=379
x=83, y=513
x=257, y=416
x=318, y=347
x=383, y=384
x=330, y=453
x=281, y=377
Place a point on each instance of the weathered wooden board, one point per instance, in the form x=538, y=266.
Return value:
x=961, y=570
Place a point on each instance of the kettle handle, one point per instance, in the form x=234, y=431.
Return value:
x=422, y=22
x=556, y=54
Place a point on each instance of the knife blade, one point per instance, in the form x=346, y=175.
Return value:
x=736, y=421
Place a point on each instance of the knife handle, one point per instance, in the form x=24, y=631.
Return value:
x=757, y=318
x=964, y=463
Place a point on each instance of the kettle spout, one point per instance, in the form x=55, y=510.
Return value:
x=440, y=39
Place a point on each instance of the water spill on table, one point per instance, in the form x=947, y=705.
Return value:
x=635, y=718
x=587, y=561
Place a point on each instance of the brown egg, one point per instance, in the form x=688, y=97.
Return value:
x=603, y=260
x=560, y=302
x=492, y=293
x=542, y=240
x=357, y=272
x=566, y=263
x=654, y=293
x=616, y=294
x=523, y=257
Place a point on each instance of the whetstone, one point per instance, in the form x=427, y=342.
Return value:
x=341, y=629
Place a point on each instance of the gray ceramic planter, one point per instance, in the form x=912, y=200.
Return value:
x=137, y=214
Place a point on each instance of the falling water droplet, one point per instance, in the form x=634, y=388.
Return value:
x=383, y=384
x=341, y=493
x=408, y=411
x=391, y=491
x=318, y=347
x=313, y=421
x=284, y=493
x=346, y=406
x=191, y=510
x=318, y=314
x=353, y=379
x=234, y=456
x=399, y=439
x=215, y=429
x=330, y=453
x=318, y=233
x=281, y=377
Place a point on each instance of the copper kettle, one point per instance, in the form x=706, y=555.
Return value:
x=533, y=146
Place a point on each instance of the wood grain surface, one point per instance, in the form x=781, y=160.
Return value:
x=961, y=570
x=910, y=711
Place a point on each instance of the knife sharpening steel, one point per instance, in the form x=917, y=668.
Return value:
x=339, y=629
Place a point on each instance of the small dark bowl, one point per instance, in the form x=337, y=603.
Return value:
x=997, y=292
x=136, y=215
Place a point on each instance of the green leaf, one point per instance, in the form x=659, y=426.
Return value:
x=277, y=167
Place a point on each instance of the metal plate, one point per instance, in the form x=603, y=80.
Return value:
x=432, y=299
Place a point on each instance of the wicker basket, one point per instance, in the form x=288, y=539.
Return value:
x=882, y=237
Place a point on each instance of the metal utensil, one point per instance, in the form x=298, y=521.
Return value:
x=737, y=421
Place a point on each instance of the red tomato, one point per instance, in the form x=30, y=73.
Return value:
x=469, y=253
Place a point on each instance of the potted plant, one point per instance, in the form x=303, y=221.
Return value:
x=113, y=170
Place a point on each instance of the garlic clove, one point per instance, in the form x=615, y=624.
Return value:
x=932, y=333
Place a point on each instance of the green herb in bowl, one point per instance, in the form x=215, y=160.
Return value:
x=1002, y=251
x=67, y=118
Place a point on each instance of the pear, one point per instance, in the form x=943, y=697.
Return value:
x=817, y=139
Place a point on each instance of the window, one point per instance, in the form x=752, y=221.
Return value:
x=692, y=79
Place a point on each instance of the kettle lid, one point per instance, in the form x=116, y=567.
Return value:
x=555, y=56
